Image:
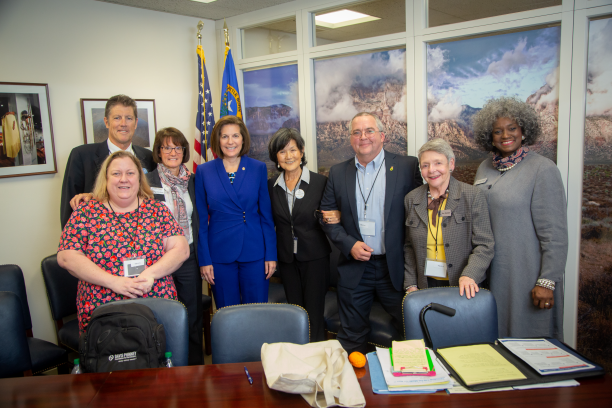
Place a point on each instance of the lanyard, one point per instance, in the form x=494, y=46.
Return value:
x=435, y=237
x=132, y=244
x=293, y=201
x=365, y=200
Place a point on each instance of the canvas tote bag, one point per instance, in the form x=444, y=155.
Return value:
x=319, y=371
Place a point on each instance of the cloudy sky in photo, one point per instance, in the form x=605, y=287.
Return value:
x=469, y=72
x=335, y=77
x=599, y=81
x=272, y=86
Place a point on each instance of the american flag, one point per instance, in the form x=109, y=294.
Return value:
x=205, y=118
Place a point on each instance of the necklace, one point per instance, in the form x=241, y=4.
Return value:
x=429, y=194
x=507, y=168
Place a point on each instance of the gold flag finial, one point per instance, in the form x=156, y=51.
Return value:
x=226, y=33
x=200, y=27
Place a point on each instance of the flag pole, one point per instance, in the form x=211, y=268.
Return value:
x=200, y=27
x=226, y=33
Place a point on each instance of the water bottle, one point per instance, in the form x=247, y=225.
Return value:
x=77, y=367
x=168, y=359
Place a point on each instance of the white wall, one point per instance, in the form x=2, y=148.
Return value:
x=87, y=49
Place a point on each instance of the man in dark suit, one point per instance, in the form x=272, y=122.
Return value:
x=369, y=191
x=121, y=120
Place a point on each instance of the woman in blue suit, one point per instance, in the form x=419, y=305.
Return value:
x=237, y=248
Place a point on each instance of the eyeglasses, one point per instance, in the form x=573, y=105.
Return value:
x=177, y=149
x=368, y=132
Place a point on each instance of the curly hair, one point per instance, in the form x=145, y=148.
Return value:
x=505, y=107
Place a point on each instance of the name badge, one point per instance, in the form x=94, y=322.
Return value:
x=367, y=228
x=299, y=194
x=157, y=190
x=445, y=213
x=133, y=267
x=435, y=269
x=481, y=181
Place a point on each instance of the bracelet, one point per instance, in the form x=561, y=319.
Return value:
x=546, y=283
x=410, y=287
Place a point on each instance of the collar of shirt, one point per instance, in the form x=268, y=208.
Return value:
x=281, y=179
x=112, y=148
x=376, y=162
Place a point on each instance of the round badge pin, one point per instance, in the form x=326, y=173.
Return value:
x=299, y=193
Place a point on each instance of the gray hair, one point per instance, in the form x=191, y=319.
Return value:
x=505, y=107
x=379, y=124
x=439, y=146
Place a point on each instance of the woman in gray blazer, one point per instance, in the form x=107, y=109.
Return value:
x=448, y=232
x=528, y=215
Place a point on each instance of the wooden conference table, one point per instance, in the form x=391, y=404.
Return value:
x=226, y=385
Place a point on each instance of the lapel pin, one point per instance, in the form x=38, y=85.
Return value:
x=391, y=169
x=243, y=168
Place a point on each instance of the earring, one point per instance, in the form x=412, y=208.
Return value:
x=523, y=137
x=278, y=165
x=301, y=161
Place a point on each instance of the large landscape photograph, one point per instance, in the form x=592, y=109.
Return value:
x=462, y=75
x=270, y=103
x=345, y=86
x=595, y=291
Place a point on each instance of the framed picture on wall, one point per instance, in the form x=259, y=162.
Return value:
x=26, y=135
x=95, y=130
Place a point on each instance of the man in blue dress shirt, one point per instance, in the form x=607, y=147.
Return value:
x=369, y=191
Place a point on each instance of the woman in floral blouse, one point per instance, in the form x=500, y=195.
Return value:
x=121, y=228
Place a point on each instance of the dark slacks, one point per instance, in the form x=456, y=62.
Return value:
x=354, y=305
x=188, y=284
x=305, y=285
x=436, y=283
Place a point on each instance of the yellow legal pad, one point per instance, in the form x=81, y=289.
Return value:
x=480, y=364
x=409, y=356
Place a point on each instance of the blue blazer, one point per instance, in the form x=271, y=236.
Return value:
x=240, y=227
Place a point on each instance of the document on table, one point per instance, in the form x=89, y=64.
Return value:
x=480, y=364
x=545, y=357
x=410, y=356
x=440, y=381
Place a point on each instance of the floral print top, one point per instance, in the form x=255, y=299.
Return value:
x=106, y=238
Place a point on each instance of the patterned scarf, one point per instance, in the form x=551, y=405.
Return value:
x=178, y=187
x=434, y=206
x=506, y=163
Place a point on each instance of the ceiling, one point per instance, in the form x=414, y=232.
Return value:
x=212, y=11
x=392, y=13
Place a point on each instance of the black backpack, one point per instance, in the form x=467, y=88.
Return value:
x=122, y=337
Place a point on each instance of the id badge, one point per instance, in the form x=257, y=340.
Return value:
x=445, y=213
x=295, y=245
x=435, y=268
x=367, y=228
x=133, y=267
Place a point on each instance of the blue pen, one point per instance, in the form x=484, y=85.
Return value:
x=248, y=375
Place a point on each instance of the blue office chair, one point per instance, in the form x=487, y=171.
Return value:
x=382, y=331
x=173, y=315
x=62, y=293
x=15, y=358
x=238, y=332
x=44, y=355
x=473, y=320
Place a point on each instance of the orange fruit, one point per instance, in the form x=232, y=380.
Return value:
x=357, y=359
